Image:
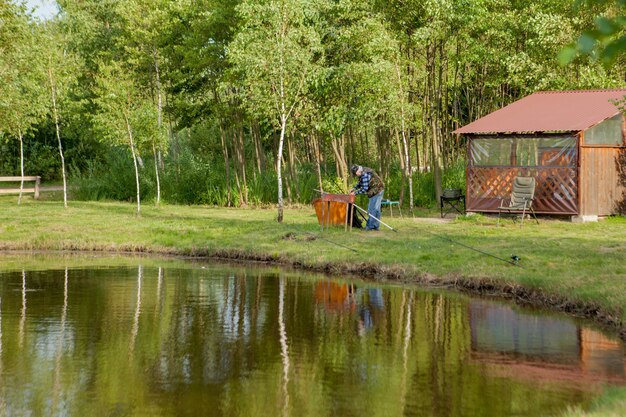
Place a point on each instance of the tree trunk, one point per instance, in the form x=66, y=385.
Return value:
x=226, y=165
x=132, y=149
x=242, y=162
x=237, y=160
x=407, y=163
x=402, y=169
x=318, y=170
x=159, y=124
x=156, y=172
x=287, y=177
x=19, y=198
x=338, y=145
x=58, y=132
x=279, y=158
x=292, y=166
x=256, y=135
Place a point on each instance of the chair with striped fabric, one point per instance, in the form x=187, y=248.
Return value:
x=521, y=200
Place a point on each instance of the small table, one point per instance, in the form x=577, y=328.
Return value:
x=391, y=204
x=452, y=198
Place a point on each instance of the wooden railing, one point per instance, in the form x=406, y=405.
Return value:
x=16, y=190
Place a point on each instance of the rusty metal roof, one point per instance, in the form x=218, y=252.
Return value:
x=550, y=111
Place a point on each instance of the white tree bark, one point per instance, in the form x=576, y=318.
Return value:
x=19, y=198
x=58, y=132
x=279, y=166
x=132, y=149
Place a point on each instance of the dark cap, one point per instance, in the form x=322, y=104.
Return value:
x=354, y=169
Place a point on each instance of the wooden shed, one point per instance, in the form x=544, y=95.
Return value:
x=572, y=142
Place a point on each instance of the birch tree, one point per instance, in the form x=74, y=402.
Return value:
x=145, y=23
x=125, y=114
x=60, y=68
x=21, y=91
x=276, y=55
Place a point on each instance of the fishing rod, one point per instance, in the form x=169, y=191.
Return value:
x=513, y=261
x=375, y=218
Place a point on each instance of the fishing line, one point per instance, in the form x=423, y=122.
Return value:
x=513, y=261
x=317, y=236
x=330, y=241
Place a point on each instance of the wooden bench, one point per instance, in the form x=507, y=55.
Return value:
x=14, y=190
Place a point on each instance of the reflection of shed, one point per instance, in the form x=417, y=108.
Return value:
x=572, y=142
x=539, y=347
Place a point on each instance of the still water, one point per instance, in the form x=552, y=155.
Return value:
x=215, y=340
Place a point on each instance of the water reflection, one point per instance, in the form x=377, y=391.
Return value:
x=135, y=329
x=232, y=341
x=284, y=349
x=547, y=349
x=23, y=315
x=56, y=391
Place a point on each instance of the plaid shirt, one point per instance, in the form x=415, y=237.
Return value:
x=363, y=185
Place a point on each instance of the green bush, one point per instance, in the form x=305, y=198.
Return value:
x=114, y=179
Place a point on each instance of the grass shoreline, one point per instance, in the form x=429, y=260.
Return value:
x=480, y=287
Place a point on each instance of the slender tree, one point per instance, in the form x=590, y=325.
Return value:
x=61, y=67
x=146, y=24
x=125, y=114
x=276, y=54
x=22, y=103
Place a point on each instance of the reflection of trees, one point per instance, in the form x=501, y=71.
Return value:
x=405, y=350
x=23, y=314
x=56, y=390
x=135, y=328
x=284, y=349
x=237, y=342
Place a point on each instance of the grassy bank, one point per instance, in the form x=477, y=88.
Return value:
x=579, y=268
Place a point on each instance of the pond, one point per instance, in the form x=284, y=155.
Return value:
x=189, y=338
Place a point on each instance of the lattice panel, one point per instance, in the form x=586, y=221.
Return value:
x=556, y=188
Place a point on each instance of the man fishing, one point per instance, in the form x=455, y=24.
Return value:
x=370, y=184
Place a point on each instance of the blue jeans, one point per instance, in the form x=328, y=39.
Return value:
x=373, y=209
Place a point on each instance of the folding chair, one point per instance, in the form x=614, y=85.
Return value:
x=521, y=200
x=450, y=200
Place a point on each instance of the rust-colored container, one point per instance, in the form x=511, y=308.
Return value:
x=333, y=209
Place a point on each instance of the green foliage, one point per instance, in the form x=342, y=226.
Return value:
x=193, y=180
x=111, y=179
x=423, y=184
x=606, y=41
x=22, y=79
x=611, y=403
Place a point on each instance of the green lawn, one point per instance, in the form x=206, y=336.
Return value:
x=579, y=268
